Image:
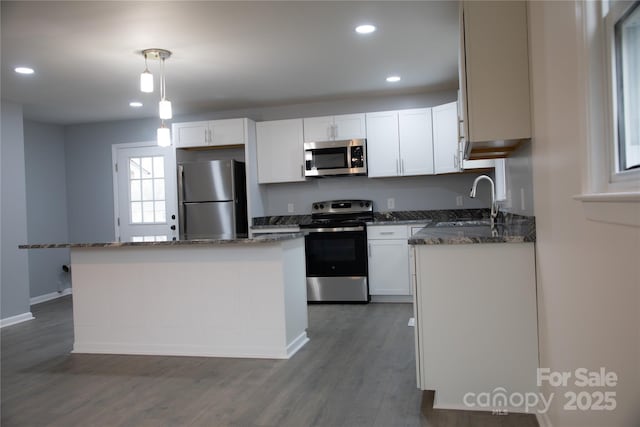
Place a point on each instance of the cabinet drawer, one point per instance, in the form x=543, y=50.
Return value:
x=387, y=232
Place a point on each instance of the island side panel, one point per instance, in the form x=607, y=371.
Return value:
x=295, y=295
x=200, y=300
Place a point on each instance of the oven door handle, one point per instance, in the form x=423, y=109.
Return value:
x=333, y=229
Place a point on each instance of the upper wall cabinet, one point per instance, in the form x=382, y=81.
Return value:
x=446, y=148
x=494, y=77
x=330, y=128
x=399, y=143
x=210, y=133
x=280, y=151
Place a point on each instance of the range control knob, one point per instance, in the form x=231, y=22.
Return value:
x=315, y=206
x=321, y=206
x=367, y=204
x=361, y=204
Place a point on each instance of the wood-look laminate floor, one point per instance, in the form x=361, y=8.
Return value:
x=357, y=370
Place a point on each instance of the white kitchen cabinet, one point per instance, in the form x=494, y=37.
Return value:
x=494, y=75
x=280, y=151
x=416, y=141
x=208, y=133
x=446, y=147
x=388, y=260
x=399, y=143
x=476, y=324
x=330, y=128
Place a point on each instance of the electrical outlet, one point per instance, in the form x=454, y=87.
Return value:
x=459, y=201
x=391, y=203
x=290, y=208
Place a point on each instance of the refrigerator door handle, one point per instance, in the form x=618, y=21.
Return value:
x=181, y=210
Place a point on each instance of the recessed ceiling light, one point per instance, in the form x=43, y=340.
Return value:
x=393, y=79
x=365, y=29
x=135, y=104
x=23, y=70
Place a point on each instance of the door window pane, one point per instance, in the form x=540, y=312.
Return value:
x=147, y=190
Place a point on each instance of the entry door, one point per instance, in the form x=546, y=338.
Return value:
x=145, y=189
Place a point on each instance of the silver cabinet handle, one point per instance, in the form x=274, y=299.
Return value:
x=402, y=166
x=386, y=233
x=302, y=170
x=369, y=252
x=397, y=166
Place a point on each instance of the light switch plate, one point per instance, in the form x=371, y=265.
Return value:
x=290, y=208
x=459, y=201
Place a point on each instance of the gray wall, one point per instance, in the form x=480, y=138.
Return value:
x=409, y=193
x=14, y=288
x=519, y=178
x=46, y=206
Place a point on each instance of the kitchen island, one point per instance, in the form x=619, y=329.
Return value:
x=216, y=298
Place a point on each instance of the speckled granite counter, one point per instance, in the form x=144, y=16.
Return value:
x=514, y=229
x=266, y=238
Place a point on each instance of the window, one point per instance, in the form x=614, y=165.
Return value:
x=147, y=195
x=627, y=87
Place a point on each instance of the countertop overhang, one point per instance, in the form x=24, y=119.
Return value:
x=266, y=238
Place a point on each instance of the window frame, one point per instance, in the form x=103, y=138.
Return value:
x=618, y=179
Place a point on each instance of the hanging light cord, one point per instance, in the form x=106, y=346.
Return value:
x=162, y=84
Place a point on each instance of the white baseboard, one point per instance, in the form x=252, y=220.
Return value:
x=49, y=297
x=13, y=320
x=544, y=420
x=297, y=344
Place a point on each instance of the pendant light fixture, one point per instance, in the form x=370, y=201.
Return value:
x=146, y=85
x=146, y=78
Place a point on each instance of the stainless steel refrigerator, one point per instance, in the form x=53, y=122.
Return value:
x=213, y=200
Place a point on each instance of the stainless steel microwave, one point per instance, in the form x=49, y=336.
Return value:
x=348, y=157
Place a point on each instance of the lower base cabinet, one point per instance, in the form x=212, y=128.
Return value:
x=388, y=267
x=476, y=323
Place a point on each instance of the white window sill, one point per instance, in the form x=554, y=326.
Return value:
x=612, y=208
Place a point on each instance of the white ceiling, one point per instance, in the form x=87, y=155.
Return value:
x=226, y=55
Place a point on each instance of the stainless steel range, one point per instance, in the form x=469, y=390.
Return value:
x=336, y=251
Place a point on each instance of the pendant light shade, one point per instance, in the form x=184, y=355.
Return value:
x=164, y=136
x=164, y=108
x=146, y=81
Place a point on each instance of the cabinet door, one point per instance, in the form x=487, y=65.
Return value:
x=318, y=129
x=389, y=267
x=280, y=151
x=349, y=126
x=191, y=134
x=382, y=144
x=445, y=138
x=227, y=132
x=416, y=142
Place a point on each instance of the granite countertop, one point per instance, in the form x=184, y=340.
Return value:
x=266, y=238
x=514, y=229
